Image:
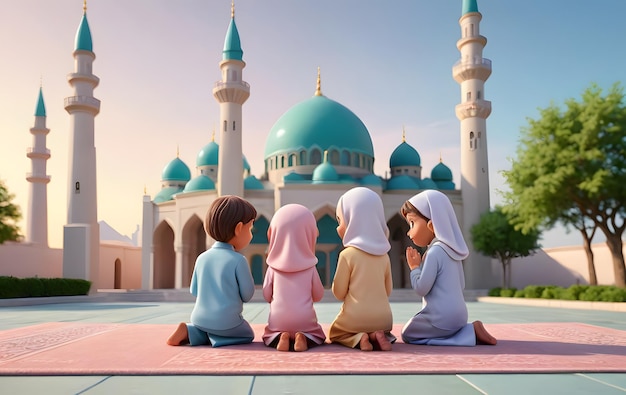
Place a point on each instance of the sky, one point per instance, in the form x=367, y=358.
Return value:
x=388, y=62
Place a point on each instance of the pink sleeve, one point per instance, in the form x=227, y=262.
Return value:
x=268, y=284
x=317, y=287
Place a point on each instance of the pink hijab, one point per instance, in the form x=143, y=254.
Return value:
x=366, y=228
x=436, y=206
x=292, y=236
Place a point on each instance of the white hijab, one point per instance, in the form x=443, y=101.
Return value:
x=366, y=228
x=436, y=206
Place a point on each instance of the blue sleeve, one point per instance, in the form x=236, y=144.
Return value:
x=245, y=280
x=423, y=277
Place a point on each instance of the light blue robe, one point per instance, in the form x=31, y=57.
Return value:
x=443, y=319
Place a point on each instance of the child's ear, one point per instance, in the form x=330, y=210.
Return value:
x=238, y=228
x=430, y=226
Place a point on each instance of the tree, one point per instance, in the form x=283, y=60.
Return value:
x=494, y=235
x=9, y=215
x=571, y=168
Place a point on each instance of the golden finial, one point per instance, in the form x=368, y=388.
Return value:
x=213, y=135
x=177, y=150
x=84, y=6
x=326, y=156
x=318, y=89
x=41, y=81
x=440, y=158
x=232, y=9
x=403, y=135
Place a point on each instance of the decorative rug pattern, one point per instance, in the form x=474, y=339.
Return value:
x=65, y=348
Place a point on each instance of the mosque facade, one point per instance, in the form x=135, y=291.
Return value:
x=316, y=151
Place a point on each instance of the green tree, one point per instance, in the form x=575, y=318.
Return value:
x=9, y=215
x=494, y=235
x=571, y=168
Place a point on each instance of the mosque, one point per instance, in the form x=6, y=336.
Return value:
x=315, y=152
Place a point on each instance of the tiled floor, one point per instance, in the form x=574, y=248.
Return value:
x=115, y=309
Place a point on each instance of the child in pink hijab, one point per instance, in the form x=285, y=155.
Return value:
x=363, y=276
x=291, y=282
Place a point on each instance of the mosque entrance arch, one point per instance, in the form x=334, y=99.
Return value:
x=164, y=256
x=399, y=241
x=194, y=243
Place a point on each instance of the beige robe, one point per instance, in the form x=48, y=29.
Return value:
x=363, y=282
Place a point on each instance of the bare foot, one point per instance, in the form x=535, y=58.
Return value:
x=482, y=336
x=180, y=336
x=365, y=344
x=300, y=343
x=283, y=342
x=379, y=339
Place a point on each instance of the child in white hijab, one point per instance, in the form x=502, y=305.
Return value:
x=438, y=276
x=363, y=276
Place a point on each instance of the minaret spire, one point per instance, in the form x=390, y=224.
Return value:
x=231, y=92
x=471, y=72
x=37, y=224
x=82, y=234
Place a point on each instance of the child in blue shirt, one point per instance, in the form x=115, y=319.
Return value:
x=221, y=279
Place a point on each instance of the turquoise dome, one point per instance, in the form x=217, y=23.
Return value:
x=320, y=122
x=402, y=182
x=404, y=155
x=208, y=155
x=325, y=172
x=199, y=183
x=251, y=182
x=441, y=172
x=176, y=170
x=166, y=194
x=371, y=179
x=293, y=176
x=427, y=183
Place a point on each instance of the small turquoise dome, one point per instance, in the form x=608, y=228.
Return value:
x=319, y=122
x=199, y=183
x=83, y=36
x=325, y=172
x=293, y=176
x=441, y=172
x=246, y=165
x=427, y=183
x=208, y=155
x=176, y=170
x=402, y=182
x=404, y=155
x=251, y=182
x=166, y=194
x=371, y=179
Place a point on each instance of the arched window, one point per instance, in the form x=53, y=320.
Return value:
x=303, y=157
x=333, y=157
x=316, y=157
x=345, y=158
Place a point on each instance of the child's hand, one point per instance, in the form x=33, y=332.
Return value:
x=413, y=258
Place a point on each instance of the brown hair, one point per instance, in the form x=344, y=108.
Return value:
x=224, y=215
x=408, y=207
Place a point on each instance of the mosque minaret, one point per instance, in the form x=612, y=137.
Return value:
x=471, y=72
x=37, y=225
x=81, y=234
x=231, y=92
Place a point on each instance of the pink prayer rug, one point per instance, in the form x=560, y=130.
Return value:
x=65, y=348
